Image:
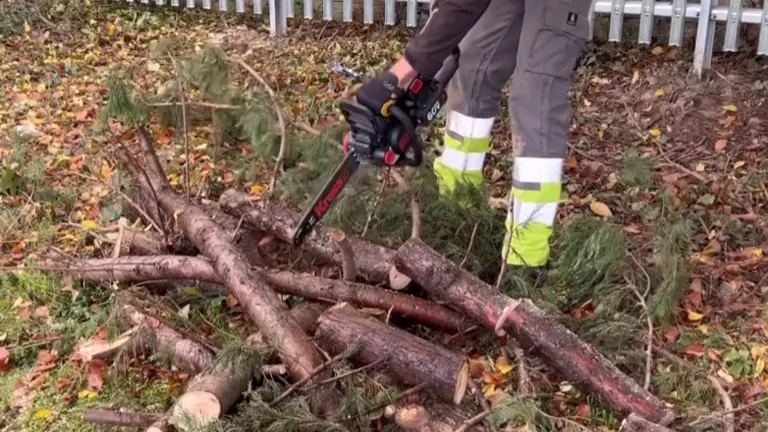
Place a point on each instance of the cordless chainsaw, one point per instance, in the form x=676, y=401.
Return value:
x=382, y=141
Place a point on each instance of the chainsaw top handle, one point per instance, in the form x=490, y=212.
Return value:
x=393, y=140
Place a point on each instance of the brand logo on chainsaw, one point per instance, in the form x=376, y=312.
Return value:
x=433, y=112
x=322, y=206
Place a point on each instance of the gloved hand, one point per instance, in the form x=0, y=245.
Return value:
x=379, y=93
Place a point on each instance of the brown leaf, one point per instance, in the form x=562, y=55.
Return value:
x=62, y=382
x=671, y=178
x=671, y=333
x=42, y=312
x=45, y=357
x=476, y=368
x=37, y=381
x=83, y=115
x=720, y=144
x=5, y=360
x=694, y=349
x=583, y=411
x=600, y=209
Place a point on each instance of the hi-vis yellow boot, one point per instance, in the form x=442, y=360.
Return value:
x=536, y=188
x=460, y=167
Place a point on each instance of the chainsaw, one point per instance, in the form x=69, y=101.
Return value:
x=390, y=142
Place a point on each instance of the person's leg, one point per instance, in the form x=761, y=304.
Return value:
x=487, y=60
x=553, y=36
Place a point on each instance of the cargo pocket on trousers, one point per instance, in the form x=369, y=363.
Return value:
x=559, y=41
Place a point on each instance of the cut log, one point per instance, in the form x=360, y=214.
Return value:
x=259, y=301
x=305, y=314
x=199, y=270
x=578, y=361
x=121, y=418
x=635, y=423
x=373, y=262
x=208, y=396
x=410, y=359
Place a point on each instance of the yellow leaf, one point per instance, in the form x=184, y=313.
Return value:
x=488, y=389
x=731, y=108
x=27, y=28
x=654, y=132
x=738, y=164
x=40, y=88
x=43, y=414
x=759, y=366
x=725, y=375
x=111, y=29
x=87, y=394
x=600, y=209
x=700, y=167
x=502, y=365
x=757, y=351
x=659, y=93
x=256, y=190
x=694, y=316
x=703, y=328
x=90, y=225
x=657, y=50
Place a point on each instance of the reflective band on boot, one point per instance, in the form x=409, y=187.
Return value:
x=466, y=140
x=536, y=189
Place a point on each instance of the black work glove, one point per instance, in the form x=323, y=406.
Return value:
x=379, y=93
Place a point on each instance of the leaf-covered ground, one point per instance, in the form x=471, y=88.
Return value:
x=665, y=213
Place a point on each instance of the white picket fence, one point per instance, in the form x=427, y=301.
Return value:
x=706, y=14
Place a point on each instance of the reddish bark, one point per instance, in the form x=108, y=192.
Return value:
x=258, y=300
x=562, y=350
x=373, y=262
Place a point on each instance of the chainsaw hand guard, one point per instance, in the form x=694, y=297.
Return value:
x=389, y=140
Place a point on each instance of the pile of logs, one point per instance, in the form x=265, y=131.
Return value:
x=218, y=247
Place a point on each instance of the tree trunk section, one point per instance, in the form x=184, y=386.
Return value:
x=262, y=304
x=432, y=416
x=410, y=359
x=561, y=349
x=373, y=261
x=635, y=423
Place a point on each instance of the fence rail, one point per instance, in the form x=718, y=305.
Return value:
x=707, y=14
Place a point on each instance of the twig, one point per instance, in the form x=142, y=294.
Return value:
x=184, y=125
x=193, y=103
x=118, y=242
x=691, y=173
x=403, y=395
x=641, y=300
x=473, y=421
x=281, y=121
x=311, y=375
x=345, y=374
x=469, y=247
x=121, y=418
x=415, y=219
x=722, y=413
x=373, y=210
x=727, y=404
x=349, y=268
x=306, y=128
x=524, y=384
x=125, y=197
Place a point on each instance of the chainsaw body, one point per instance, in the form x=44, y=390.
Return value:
x=382, y=141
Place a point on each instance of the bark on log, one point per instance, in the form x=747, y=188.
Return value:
x=410, y=359
x=121, y=418
x=373, y=261
x=139, y=269
x=635, y=423
x=561, y=349
x=259, y=301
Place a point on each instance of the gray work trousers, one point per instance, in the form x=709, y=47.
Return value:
x=539, y=41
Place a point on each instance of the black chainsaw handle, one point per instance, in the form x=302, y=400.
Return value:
x=410, y=130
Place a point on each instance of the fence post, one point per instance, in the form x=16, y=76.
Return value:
x=705, y=39
x=277, y=18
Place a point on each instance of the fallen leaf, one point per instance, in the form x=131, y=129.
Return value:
x=731, y=108
x=5, y=360
x=738, y=164
x=600, y=209
x=90, y=225
x=42, y=312
x=671, y=333
x=502, y=365
x=45, y=357
x=43, y=414
x=694, y=349
x=700, y=167
x=87, y=394
x=82, y=115
x=720, y=144
x=256, y=190
x=583, y=411
x=654, y=132
x=476, y=368
x=659, y=93
x=657, y=50
x=694, y=316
